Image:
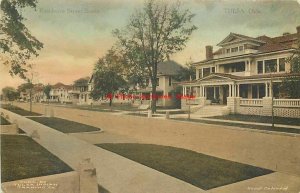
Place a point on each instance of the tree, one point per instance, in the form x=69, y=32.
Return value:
x=153, y=34
x=47, y=90
x=25, y=86
x=291, y=84
x=186, y=73
x=108, y=77
x=17, y=45
x=10, y=93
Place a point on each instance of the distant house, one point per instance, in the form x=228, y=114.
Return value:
x=242, y=74
x=38, y=94
x=165, y=84
x=80, y=93
x=60, y=93
x=25, y=95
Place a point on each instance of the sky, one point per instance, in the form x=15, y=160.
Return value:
x=75, y=33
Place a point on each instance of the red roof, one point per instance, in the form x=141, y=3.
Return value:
x=61, y=85
x=277, y=43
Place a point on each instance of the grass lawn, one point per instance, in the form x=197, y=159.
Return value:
x=203, y=171
x=260, y=119
x=106, y=108
x=64, y=125
x=21, y=158
x=3, y=121
x=248, y=126
x=19, y=110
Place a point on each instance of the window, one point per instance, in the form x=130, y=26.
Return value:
x=213, y=69
x=200, y=73
x=157, y=81
x=147, y=82
x=238, y=67
x=206, y=71
x=270, y=66
x=227, y=51
x=234, y=49
x=241, y=48
x=281, y=64
x=170, y=81
x=259, y=67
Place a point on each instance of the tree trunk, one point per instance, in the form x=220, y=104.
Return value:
x=30, y=100
x=153, y=97
x=110, y=101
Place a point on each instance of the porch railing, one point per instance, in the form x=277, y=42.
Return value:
x=287, y=102
x=251, y=102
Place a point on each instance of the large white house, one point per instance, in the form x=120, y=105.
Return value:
x=60, y=93
x=242, y=73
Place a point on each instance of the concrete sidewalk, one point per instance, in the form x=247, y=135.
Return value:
x=266, y=150
x=115, y=173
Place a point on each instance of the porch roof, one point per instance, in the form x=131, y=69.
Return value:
x=213, y=78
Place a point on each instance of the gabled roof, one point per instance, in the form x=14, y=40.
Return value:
x=234, y=37
x=169, y=67
x=61, y=85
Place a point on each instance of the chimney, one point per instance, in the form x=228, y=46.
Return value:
x=209, y=52
x=298, y=29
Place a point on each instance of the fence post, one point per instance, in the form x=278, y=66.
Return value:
x=87, y=177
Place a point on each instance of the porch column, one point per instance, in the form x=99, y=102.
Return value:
x=238, y=90
x=270, y=89
x=214, y=92
x=249, y=66
x=234, y=89
x=205, y=91
x=200, y=90
x=229, y=90
x=266, y=89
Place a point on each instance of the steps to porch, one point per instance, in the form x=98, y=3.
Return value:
x=212, y=110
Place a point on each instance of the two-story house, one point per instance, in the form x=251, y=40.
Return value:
x=80, y=92
x=245, y=73
x=165, y=84
x=60, y=93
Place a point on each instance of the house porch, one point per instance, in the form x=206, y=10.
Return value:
x=257, y=97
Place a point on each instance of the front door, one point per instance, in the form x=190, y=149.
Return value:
x=225, y=94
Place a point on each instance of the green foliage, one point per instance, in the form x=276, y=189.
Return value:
x=25, y=86
x=153, y=33
x=16, y=42
x=291, y=84
x=47, y=90
x=10, y=93
x=186, y=73
x=108, y=76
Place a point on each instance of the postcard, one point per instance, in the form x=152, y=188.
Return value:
x=150, y=96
